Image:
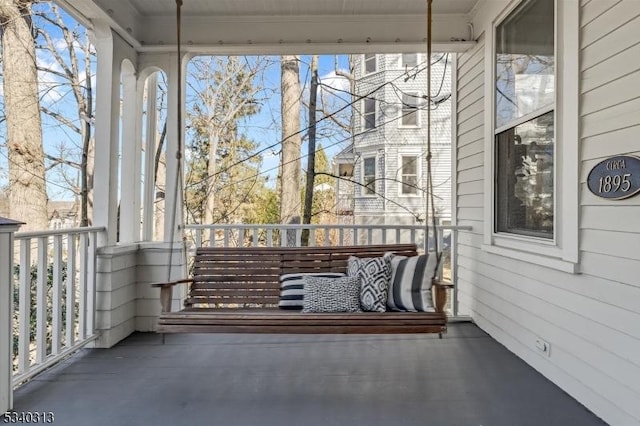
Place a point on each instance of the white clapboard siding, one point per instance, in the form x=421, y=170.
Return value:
x=592, y=318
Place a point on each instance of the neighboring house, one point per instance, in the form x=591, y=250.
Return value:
x=387, y=161
x=63, y=214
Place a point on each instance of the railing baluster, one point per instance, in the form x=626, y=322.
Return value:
x=298, y=237
x=255, y=237
x=384, y=235
x=312, y=236
x=212, y=237
x=56, y=299
x=397, y=235
x=198, y=238
x=91, y=284
x=82, y=288
x=327, y=237
x=370, y=236
x=269, y=237
x=70, y=315
x=41, y=302
x=341, y=236
x=24, y=336
x=226, y=237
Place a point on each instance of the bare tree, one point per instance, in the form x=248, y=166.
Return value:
x=27, y=187
x=311, y=151
x=74, y=69
x=224, y=93
x=290, y=173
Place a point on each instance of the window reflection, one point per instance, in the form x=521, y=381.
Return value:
x=525, y=178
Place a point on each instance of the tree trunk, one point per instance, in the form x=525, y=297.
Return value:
x=27, y=187
x=311, y=151
x=214, y=138
x=291, y=141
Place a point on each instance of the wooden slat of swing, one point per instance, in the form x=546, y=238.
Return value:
x=236, y=290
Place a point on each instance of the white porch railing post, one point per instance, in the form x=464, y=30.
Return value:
x=7, y=231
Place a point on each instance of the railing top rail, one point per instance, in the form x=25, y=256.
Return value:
x=299, y=226
x=50, y=232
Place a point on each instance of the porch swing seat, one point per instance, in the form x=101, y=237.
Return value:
x=237, y=290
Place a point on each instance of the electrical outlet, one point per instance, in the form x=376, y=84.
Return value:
x=543, y=346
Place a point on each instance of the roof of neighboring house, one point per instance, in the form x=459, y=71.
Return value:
x=345, y=155
x=62, y=209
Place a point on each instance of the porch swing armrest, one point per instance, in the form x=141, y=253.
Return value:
x=165, y=292
x=440, y=294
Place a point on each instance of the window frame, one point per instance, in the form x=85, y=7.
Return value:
x=403, y=64
x=418, y=157
x=373, y=56
x=363, y=182
x=365, y=114
x=561, y=253
x=414, y=94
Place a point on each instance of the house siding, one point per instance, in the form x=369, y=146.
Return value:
x=591, y=319
x=390, y=140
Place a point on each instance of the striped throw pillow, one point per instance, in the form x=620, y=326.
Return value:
x=292, y=288
x=410, y=286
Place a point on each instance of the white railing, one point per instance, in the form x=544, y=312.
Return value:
x=245, y=235
x=54, y=297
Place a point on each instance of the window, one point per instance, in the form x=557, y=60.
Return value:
x=409, y=164
x=525, y=121
x=345, y=170
x=409, y=60
x=410, y=109
x=369, y=115
x=369, y=63
x=369, y=175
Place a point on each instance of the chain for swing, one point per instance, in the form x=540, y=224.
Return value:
x=429, y=196
x=178, y=154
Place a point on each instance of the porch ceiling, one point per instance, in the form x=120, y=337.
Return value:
x=282, y=26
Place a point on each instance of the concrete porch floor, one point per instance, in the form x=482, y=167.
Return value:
x=465, y=379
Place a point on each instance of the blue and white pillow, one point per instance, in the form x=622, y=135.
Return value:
x=292, y=288
x=410, y=285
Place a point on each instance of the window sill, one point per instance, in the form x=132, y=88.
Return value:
x=536, y=259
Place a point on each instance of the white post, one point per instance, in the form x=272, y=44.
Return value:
x=150, y=151
x=131, y=158
x=106, y=135
x=173, y=191
x=7, y=229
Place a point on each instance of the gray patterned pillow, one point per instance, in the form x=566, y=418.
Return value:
x=374, y=274
x=292, y=288
x=331, y=295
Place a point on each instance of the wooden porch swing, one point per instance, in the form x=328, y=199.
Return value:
x=243, y=283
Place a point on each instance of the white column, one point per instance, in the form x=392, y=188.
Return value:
x=173, y=192
x=105, y=190
x=150, y=152
x=131, y=157
x=7, y=229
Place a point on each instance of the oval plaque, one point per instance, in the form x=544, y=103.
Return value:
x=615, y=178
